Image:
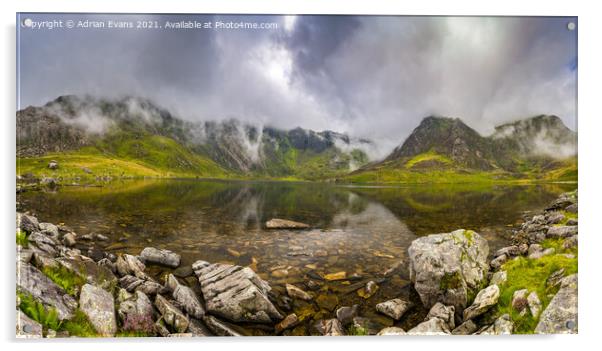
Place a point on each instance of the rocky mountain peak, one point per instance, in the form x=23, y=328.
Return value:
x=450, y=137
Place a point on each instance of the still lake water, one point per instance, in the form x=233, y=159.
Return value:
x=359, y=230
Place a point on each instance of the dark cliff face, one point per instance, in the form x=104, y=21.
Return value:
x=71, y=122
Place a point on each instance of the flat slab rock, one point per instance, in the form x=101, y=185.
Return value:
x=277, y=223
x=235, y=293
x=31, y=281
x=560, y=317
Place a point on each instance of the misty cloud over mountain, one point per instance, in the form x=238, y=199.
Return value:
x=369, y=77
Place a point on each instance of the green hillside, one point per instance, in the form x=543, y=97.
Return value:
x=123, y=156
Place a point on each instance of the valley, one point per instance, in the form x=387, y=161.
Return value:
x=93, y=140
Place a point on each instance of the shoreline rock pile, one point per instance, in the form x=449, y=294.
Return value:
x=455, y=278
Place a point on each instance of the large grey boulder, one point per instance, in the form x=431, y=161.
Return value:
x=185, y=297
x=235, y=293
x=449, y=267
x=485, y=299
x=560, y=317
x=33, y=282
x=98, y=305
x=163, y=257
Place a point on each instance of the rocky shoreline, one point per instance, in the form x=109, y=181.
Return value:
x=64, y=290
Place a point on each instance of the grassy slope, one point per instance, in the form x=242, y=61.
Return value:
x=440, y=169
x=125, y=156
x=145, y=155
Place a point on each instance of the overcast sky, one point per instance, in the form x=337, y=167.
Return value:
x=373, y=77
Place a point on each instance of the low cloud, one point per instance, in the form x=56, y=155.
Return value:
x=372, y=77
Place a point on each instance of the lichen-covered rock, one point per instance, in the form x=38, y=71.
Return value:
x=394, y=308
x=185, y=297
x=163, y=257
x=390, y=331
x=130, y=265
x=69, y=239
x=560, y=317
x=198, y=329
x=534, y=304
x=149, y=287
x=220, y=328
x=235, y=293
x=445, y=313
x=171, y=314
x=509, y=251
x=433, y=326
x=484, y=300
x=562, y=231
x=98, y=305
x=329, y=327
x=570, y=242
x=448, y=268
x=466, y=328
x=498, y=261
x=499, y=278
x=33, y=282
x=502, y=326
x=28, y=224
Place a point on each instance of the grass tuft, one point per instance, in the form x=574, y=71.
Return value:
x=532, y=274
x=69, y=281
x=22, y=238
x=355, y=331
x=47, y=317
x=79, y=325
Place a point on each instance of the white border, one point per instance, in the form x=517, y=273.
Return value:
x=590, y=128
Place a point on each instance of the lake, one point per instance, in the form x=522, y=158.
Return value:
x=362, y=231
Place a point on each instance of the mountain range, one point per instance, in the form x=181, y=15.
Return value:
x=133, y=137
